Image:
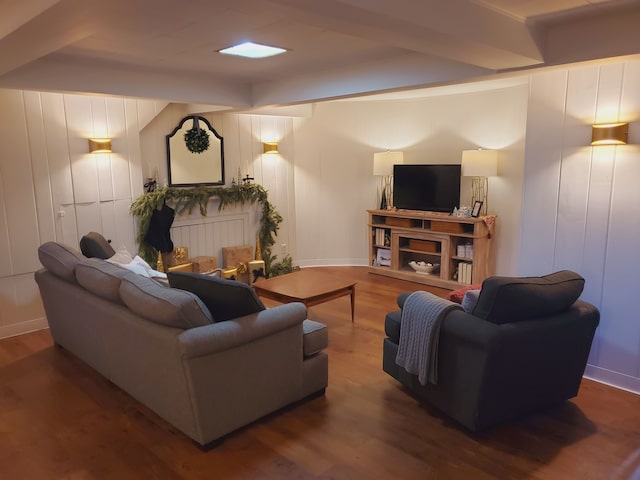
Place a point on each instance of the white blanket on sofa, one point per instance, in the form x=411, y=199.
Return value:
x=422, y=315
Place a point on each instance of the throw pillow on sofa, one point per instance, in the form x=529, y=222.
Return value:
x=458, y=294
x=121, y=257
x=94, y=245
x=469, y=300
x=134, y=264
x=225, y=299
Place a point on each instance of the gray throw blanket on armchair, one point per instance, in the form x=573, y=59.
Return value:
x=422, y=315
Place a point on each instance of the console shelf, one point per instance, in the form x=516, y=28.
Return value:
x=409, y=235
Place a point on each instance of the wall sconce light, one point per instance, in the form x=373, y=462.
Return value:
x=270, y=147
x=480, y=164
x=383, y=163
x=99, y=145
x=610, y=134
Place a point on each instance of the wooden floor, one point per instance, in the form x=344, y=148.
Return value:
x=61, y=420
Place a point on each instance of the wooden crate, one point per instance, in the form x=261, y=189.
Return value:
x=446, y=227
x=424, y=245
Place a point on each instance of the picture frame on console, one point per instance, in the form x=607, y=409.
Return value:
x=383, y=257
x=476, y=208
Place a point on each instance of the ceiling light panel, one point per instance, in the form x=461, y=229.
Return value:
x=252, y=50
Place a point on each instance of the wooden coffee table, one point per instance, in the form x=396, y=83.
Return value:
x=310, y=287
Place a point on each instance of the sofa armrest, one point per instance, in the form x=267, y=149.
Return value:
x=402, y=298
x=221, y=336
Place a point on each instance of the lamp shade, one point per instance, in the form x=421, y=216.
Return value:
x=270, y=147
x=383, y=162
x=479, y=163
x=100, y=145
x=610, y=134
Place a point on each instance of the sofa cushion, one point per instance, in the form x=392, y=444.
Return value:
x=60, y=260
x=101, y=278
x=95, y=245
x=511, y=299
x=225, y=299
x=315, y=337
x=168, y=306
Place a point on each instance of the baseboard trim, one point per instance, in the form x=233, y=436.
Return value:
x=7, y=331
x=614, y=379
x=332, y=262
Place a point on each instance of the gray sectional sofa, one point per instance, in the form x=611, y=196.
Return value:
x=164, y=347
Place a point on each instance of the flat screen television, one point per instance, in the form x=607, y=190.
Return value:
x=433, y=188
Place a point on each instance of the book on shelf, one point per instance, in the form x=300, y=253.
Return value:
x=464, y=272
x=382, y=237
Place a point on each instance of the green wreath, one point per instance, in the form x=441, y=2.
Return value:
x=197, y=140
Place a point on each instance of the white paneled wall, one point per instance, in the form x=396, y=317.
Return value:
x=581, y=203
x=51, y=188
x=17, y=185
x=244, y=135
x=334, y=164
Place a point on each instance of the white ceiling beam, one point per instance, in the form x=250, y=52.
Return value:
x=409, y=71
x=60, y=73
x=456, y=29
x=62, y=24
x=606, y=33
x=16, y=13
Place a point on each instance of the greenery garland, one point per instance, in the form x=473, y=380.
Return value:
x=187, y=199
x=196, y=140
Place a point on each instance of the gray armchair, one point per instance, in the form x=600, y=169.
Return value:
x=523, y=347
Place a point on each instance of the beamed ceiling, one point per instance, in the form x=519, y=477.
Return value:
x=337, y=48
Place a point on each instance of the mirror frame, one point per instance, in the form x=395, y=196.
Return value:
x=211, y=130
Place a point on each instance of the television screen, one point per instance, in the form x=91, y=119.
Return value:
x=433, y=188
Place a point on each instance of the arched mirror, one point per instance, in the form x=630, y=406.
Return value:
x=195, y=154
